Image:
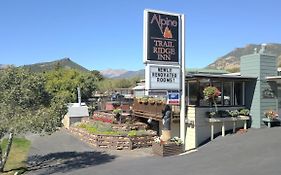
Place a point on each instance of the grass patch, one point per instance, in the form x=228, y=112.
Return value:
x=18, y=155
x=106, y=129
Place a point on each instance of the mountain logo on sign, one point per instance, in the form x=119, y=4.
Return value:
x=164, y=24
x=167, y=33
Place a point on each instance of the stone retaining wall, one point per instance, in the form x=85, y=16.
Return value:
x=113, y=142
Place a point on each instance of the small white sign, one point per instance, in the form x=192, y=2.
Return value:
x=162, y=77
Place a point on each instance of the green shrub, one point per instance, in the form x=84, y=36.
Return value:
x=132, y=133
x=136, y=133
x=233, y=113
x=106, y=129
x=117, y=111
x=245, y=112
x=82, y=125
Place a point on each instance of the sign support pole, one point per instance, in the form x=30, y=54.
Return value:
x=182, y=104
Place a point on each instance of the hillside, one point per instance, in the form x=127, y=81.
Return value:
x=231, y=61
x=131, y=74
x=3, y=66
x=116, y=74
x=46, y=66
x=113, y=73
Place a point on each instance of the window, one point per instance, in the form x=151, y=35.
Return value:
x=227, y=93
x=193, y=93
x=202, y=84
x=232, y=92
x=238, y=93
x=219, y=87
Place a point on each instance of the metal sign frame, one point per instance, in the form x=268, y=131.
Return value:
x=168, y=49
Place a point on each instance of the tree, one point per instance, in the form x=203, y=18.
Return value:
x=233, y=69
x=25, y=105
x=111, y=84
x=98, y=76
x=64, y=82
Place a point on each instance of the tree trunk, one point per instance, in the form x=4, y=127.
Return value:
x=216, y=107
x=1, y=158
x=7, y=152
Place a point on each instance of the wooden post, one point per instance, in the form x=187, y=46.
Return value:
x=245, y=124
x=223, y=129
x=269, y=124
x=212, y=131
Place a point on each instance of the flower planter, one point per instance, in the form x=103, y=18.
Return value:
x=116, y=142
x=167, y=149
x=269, y=121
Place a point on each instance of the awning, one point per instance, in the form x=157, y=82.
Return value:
x=223, y=76
x=139, y=87
x=277, y=79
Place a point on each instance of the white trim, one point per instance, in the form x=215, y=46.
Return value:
x=162, y=12
x=232, y=94
x=182, y=63
x=243, y=93
x=273, y=78
x=146, y=40
x=145, y=17
x=188, y=152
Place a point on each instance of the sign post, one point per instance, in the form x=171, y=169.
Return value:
x=164, y=57
x=183, y=105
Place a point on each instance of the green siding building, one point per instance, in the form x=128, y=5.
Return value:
x=261, y=95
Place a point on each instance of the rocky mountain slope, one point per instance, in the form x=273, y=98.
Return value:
x=113, y=73
x=231, y=61
x=64, y=63
x=121, y=73
x=3, y=66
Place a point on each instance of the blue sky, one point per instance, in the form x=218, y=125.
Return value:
x=108, y=33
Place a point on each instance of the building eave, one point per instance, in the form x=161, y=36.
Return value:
x=225, y=76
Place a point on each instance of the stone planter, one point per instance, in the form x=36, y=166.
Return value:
x=167, y=149
x=113, y=141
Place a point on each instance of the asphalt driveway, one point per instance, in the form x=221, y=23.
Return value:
x=62, y=153
x=256, y=152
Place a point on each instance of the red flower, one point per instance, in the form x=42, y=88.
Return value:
x=103, y=119
x=211, y=92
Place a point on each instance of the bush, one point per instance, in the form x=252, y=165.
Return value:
x=136, y=133
x=132, y=133
x=211, y=92
x=233, y=113
x=106, y=129
x=245, y=112
x=271, y=114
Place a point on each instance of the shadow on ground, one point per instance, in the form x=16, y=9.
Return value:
x=66, y=161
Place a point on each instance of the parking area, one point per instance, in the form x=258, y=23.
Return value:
x=254, y=152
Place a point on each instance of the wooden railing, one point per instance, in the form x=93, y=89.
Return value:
x=148, y=110
x=153, y=110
